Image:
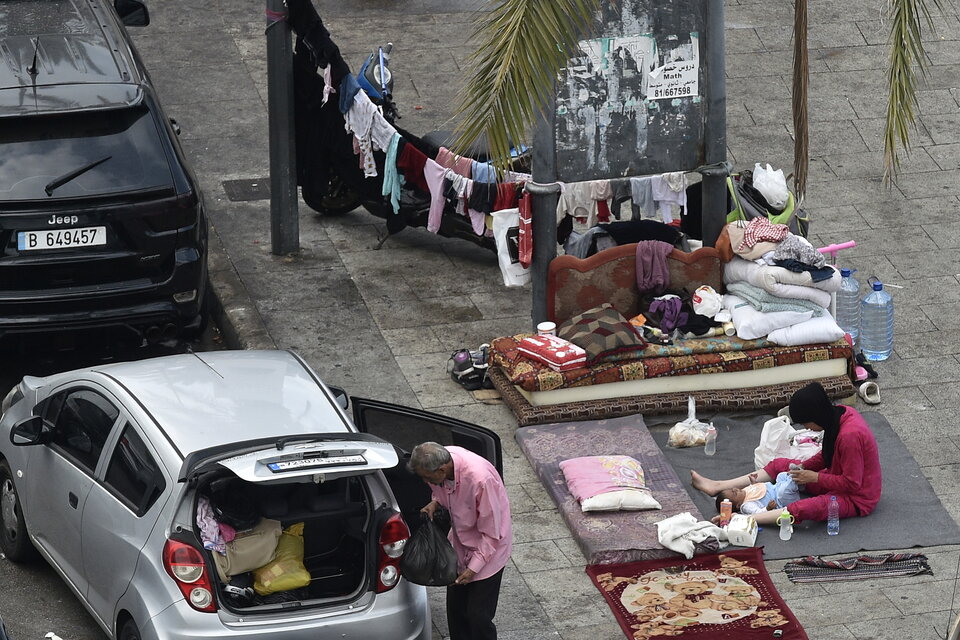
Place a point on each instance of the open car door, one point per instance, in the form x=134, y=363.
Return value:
x=405, y=428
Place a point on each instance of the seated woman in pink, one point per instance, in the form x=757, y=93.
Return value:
x=848, y=466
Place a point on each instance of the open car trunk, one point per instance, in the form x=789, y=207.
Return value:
x=337, y=519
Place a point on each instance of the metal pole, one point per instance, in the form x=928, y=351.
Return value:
x=545, y=193
x=284, y=221
x=714, y=203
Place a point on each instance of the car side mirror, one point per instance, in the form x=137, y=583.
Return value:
x=133, y=13
x=341, y=397
x=30, y=431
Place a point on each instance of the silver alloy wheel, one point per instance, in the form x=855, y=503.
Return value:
x=8, y=509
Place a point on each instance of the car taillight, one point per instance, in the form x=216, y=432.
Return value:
x=393, y=538
x=186, y=566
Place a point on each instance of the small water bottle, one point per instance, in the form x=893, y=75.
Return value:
x=848, y=304
x=710, y=443
x=876, y=324
x=833, y=516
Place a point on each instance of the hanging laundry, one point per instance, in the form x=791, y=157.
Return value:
x=670, y=189
x=392, y=180
x=410, y=161
x=381, y=132
x=621, y=195
x=601, y=192
x=455, y=191
x=507, y=195
x=328, y=87
x=516, y=176
x=525, y=237
x=450, y=160
x=477, y=217
x=641, y=192
x=483, y=197
x=577, y=202
x=483, y=172
x=359, y=121
x=506, y=232
x=348, y=91
x=433, y=173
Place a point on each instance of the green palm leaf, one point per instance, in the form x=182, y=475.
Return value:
x=907, y=60
x=521, y=45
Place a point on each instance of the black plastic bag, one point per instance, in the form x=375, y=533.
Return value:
x=429, y=558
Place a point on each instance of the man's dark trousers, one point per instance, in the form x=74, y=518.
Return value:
x=471, y=607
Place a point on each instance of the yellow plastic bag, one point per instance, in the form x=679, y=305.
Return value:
x=286, y=571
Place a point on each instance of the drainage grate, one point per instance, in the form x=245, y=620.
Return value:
x=247, y=190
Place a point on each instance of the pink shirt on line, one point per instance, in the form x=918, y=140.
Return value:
x=481, y=531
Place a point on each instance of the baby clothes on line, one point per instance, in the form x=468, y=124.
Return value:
x=601, y=192
x=483, y=172
x=359, y=121
x=328, y=87
x=669, y=189
x=411, y=161
x=641, y=192
x=433, y=173
x=381, y=132
x=392, y=180
x=458, y=164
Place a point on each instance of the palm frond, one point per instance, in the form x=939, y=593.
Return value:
x=521, y=47
x=801, y=85
x=907, y=64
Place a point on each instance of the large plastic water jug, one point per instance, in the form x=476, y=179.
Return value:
x=876, y=324
x=848, y=304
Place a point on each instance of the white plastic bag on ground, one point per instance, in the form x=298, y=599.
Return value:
x=690, y=432
x=772, y=185
x=779, y=439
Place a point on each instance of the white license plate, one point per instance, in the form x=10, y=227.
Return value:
x=61, y=238
x=308, y=463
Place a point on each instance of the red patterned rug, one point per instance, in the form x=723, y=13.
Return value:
x=725, y=595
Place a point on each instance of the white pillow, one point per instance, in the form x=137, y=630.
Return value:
x=752, y=324
x=623, y=500
x=812, y=331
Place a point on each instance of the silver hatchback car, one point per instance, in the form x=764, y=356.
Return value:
x=113, y=473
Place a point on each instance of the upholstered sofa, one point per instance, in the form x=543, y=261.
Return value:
x=722, y=372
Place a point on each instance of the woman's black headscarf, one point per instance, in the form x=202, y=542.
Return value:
x=812, y=404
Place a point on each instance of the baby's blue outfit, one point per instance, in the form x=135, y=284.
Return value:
x=785, y=491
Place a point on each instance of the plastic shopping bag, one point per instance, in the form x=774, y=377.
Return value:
x=429, y=558
x=286, y=571
x=771, y=185
x=690, y=432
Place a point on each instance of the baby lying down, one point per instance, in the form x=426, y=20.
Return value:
x=762, y=496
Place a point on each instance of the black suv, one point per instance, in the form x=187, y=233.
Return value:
x=101, y=221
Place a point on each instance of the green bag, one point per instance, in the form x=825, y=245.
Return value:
x=747, y=207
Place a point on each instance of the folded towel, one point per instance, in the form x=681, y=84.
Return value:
x=682, y=532
x=767, y=302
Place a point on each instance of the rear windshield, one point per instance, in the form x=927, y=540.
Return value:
x=38, y=150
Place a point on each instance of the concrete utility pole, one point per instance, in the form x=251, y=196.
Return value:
x=284, y=221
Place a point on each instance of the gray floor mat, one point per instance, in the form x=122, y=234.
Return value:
x=909, y=513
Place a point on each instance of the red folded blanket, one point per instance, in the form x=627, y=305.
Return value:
x=556, y=353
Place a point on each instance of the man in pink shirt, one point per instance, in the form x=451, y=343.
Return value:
x=470, y=488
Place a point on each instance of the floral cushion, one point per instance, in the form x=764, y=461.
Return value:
x=601, y=331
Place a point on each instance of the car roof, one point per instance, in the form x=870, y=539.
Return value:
x=217, y=398
x=83, y=60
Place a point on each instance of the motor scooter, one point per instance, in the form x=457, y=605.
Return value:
x=330, y=178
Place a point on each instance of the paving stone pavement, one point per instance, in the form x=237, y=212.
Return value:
x=383, y=323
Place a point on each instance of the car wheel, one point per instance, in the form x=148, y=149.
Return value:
x=129, y=631
x=14, y=540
